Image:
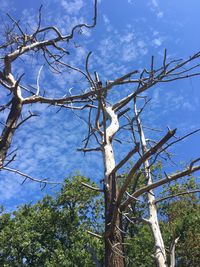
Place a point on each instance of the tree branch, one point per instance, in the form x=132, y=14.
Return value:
x=91, y=187
x=126, y=158
x=172, y=252
x=178, y=194
x=163, y=181
x=141, y=160
x=41, y=181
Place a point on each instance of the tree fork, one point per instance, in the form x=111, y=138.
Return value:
x=114, y=251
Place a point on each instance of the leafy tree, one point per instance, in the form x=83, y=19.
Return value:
x=179, y=210
x=181, y=219
x=53, y=232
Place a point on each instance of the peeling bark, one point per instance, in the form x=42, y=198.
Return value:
x=114, y=252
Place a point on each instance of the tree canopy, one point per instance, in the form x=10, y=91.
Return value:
x=52, y=232
x=55, y=230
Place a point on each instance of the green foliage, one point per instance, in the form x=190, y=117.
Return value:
x=140, y=247
x=53, y=231
x=181, y=217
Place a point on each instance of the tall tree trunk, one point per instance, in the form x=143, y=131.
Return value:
x=160, y=253
x=114, y=251
x=10, y=127
x=14, y=114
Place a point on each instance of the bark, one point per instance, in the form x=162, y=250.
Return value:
x=10, y=127
x=172, y=252
x=160, y=253
x=114, y=252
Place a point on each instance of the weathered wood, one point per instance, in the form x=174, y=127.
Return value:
x=114, y=252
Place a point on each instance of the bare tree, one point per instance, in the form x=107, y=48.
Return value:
x=107, y=118
x=19, y=42
x=106, y=126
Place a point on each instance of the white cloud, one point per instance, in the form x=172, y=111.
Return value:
x=47, y=144
x=128, y=37
x=157, y=41
x=6, y=5
x=105, y=46
x=106, y=19
x=72, y=6
x=155, y=7
x=142, y=47
x=8, y=189
x=155, y=33
x=107, y=23
x=129, y=53
x=154, y=3
x=160, y=14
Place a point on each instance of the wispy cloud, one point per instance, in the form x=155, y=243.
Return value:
x=157, y=41
x=5, y=5
x=154, y=3
x=47, y=144
x=155, y=6
x=72, y=7
x=131, y=2
x=107, y=23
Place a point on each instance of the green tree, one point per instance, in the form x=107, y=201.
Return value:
x=181, y=219
x=179, y=214
x=53, y=232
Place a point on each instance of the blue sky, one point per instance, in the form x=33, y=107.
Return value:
x=127, y=34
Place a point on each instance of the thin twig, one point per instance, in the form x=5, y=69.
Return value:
x=41, y=181
x=178, y=194
x=91, y=187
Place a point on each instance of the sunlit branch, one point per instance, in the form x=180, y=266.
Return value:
x=38, y=80
x=94, y=234
x=141, y=160
x=132, y=220
x=41, y=181
x=91, y=187
x=172, y=252
x=160, y=182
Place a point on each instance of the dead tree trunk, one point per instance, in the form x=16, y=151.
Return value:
x=160, y=254
x=9, y=129
x=114, y=252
